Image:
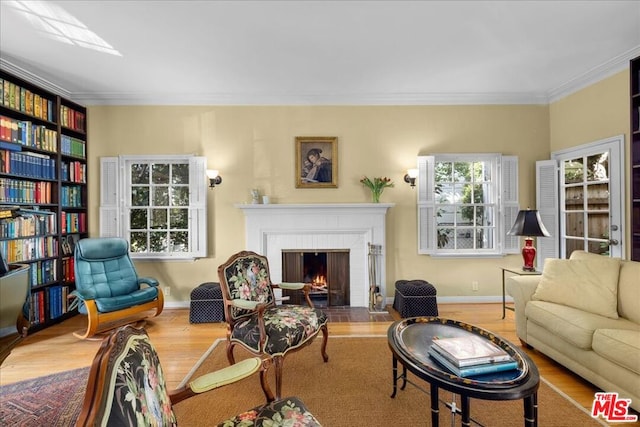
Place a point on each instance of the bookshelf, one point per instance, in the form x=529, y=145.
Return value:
x=43, y=192
x=635, y=158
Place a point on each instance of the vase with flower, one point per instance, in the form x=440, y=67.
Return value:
x=377, y=186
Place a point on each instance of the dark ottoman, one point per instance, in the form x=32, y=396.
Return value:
x=206, y=304
x=415, y=298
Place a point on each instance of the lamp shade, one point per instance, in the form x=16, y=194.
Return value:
x=528, y=223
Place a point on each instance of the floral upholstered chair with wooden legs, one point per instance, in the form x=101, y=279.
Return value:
x=127, y=387
x=256, y=323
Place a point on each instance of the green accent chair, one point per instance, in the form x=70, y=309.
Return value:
x=254, y=320
x=108, y=289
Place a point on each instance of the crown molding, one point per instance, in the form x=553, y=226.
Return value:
x=356, y=99
x=34, y=79
x=601, y=72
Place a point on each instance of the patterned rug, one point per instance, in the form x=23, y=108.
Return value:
x=53, y=400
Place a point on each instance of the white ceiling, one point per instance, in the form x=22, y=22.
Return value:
x=326, y=52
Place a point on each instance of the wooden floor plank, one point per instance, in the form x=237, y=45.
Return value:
x=181, y=344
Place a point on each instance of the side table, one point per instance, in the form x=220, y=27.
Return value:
x=519, y=272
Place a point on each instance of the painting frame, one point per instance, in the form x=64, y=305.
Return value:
x=324, y=172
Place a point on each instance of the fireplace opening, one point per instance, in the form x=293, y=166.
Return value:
x=326, y=271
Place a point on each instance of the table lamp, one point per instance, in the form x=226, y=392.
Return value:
x=528, y=224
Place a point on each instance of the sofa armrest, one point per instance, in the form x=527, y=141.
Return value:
x=521, y=288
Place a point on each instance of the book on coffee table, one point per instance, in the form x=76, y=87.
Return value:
x=475, y=370
x=470, y=350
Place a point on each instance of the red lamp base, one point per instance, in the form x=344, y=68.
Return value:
x=528, y=254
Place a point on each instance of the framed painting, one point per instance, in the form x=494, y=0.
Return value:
x=316, y=162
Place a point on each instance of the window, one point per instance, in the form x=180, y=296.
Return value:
x=467, y=203
x=156, y=203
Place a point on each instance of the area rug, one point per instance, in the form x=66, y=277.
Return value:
x=54, y=400
x=353, y=389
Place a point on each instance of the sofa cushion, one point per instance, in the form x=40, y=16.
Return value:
x=571, y=324
x=619, y=346
x=629, y=291
x=589, y=285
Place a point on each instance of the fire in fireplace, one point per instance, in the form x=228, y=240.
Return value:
x=327, y=272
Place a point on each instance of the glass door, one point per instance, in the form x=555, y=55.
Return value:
x=590, y=210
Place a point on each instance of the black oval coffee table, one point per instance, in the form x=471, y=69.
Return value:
x=409, y=341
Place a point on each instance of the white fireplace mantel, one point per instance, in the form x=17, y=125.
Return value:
x=272, y=228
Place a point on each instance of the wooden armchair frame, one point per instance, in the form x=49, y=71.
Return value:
x=242, y=313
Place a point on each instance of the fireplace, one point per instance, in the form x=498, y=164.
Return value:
x=276, y=228
x=326, y=271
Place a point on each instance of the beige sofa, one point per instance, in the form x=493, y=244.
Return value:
x=584, y=313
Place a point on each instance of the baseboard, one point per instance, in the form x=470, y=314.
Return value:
x=441, y=300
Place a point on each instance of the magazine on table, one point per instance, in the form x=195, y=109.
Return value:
x=470, y=350
x=475, y=370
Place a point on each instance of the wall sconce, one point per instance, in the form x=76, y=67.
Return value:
x=411, y=176
x=214, y=178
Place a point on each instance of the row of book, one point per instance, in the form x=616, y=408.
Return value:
x=28, y=223
x=74, y=222
x=43, y=272
x=19, y=191
x=72, y=119
x=29, y=248
x=71, y=196
x=71, y=146
x=30, y=165
x=22, y=99
x=471, y=356
x=74, y=172
x=26, y=133
x=49, y=303
x=68, y=272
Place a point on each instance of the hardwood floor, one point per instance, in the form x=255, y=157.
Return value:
x=181, y=344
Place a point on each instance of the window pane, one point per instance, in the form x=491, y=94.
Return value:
x=443, y=172
x=462, y=172
x=159, y=219
x=158, y=241
x=598, y=167
x=179, y=219
x=485, y=238
x=138, y=219
x=573, y=171
x=138, y=242
x=180, y=196
x=574, y=198
x=445, y=215
x=180, y=174
x=180, y=241
x=445, y=238
x=160, y=196
x=464, y=238
x=139, y=173
x=575, y=224
x=140, y=196
x=160, y=173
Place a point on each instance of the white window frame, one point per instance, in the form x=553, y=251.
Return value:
x=115, y=197
x=506, y=196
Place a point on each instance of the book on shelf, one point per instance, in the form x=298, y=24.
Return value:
x=470, y=350
x=473, y=370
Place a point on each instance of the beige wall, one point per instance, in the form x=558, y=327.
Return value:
x=594, y=113
x=253, y=147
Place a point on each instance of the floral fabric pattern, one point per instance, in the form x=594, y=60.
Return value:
x=248, y=279
x=287, y=327
x=140, y=396
x=289, y=412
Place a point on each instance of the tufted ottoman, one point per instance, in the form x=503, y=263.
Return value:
x=206, y=304
x=415, y=298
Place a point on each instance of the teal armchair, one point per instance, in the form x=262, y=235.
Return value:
x=108, y=289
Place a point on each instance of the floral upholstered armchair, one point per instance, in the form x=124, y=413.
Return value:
x=127, y=387
x=254, y=320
